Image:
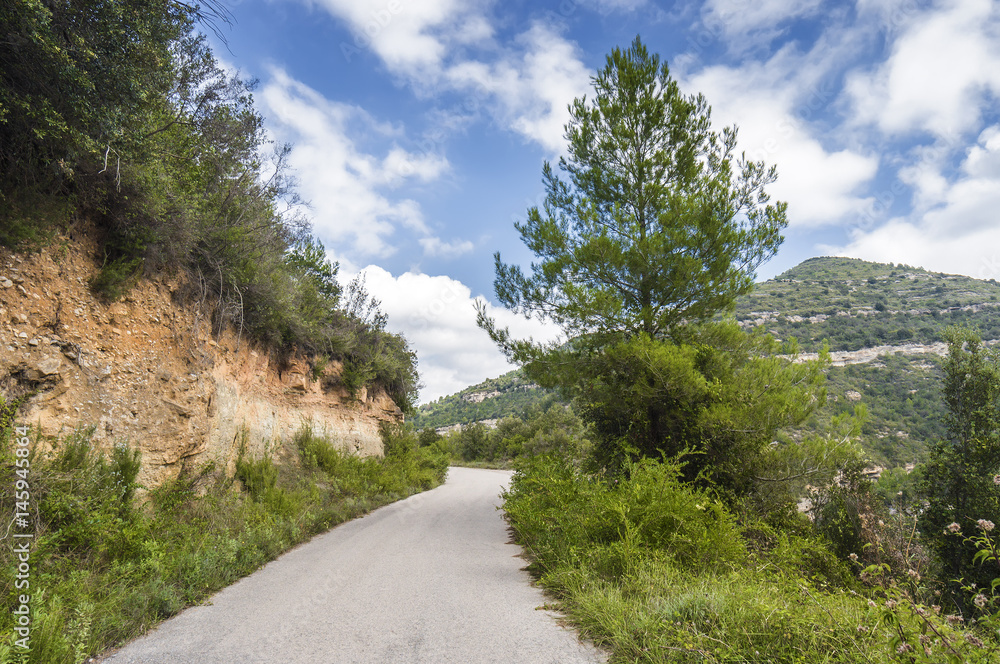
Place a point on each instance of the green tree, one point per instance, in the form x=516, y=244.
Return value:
x=960, y=482
x=659, y=227
x=660, y=223
x=428, y=436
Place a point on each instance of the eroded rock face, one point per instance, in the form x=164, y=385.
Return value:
x=149, y=372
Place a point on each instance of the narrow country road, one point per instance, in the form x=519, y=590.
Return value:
x=429, y=579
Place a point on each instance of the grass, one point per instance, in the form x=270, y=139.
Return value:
x=104, y=568
x=656, y=571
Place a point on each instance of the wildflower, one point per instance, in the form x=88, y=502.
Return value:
x=973, y=640
x=996, y=479
x=904, y=647
x=890, y=604
x=985, y=525
x=979, y=600
x=954, y=620
x=853, y=557
x=937, y=609
x=871, y=604
x=914, y=574
x=954, y=527
x=862, y=629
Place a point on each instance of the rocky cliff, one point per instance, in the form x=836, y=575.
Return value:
x=149, y=372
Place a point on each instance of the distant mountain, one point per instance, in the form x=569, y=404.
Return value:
x=493, y=399
x=882, y=322
x=855, y=304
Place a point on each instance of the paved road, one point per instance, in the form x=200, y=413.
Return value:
x=429, y=579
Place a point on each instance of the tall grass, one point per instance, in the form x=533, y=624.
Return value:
x=657, y=571
x=105, y=569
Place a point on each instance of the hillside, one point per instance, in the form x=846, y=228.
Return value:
x=151, y=371
x=856, y=304
x=883, y=324
x=492, y=399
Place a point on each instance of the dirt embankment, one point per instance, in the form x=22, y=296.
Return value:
x=149, y=372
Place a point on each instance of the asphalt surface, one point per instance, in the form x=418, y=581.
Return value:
x=433, y=579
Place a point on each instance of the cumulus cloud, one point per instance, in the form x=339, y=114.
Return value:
x=437, y=316
x=531, y=86
x=350, y=190
x=409, y=35
x=957, y=232
x=771, y=102
x=449, y=46
x=943, y=70
x=938, y=83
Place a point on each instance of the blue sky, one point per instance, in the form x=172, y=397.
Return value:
x=420, y=128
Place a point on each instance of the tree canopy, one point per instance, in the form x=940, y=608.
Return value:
x=962, y=476
x=659, y=224
x=657, y=228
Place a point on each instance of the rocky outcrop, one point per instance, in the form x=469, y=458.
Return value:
x=479, y=397
x=865, y=355
x=150, y=373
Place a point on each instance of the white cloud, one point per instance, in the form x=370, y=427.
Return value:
x=400, y=165
x=437, y=316
x=943, y=71
x=530, y=87
x=763, y=19
x=768, y=102
x=436, y=247
x=409, y=35
x=346, y=186
x=448, y=46
x=974, y=253
x=959, y=233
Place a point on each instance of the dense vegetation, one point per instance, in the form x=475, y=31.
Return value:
x=902, y=394
x=537, y=430
x=117, y=114
x=514, y=395
x=961, y=480
x=679, y=534
x=108, y=568
x=656, y=570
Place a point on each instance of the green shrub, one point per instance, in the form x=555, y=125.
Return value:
x=559, y=512
x=117, y=277
x=656, y=571
x=259, y=476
